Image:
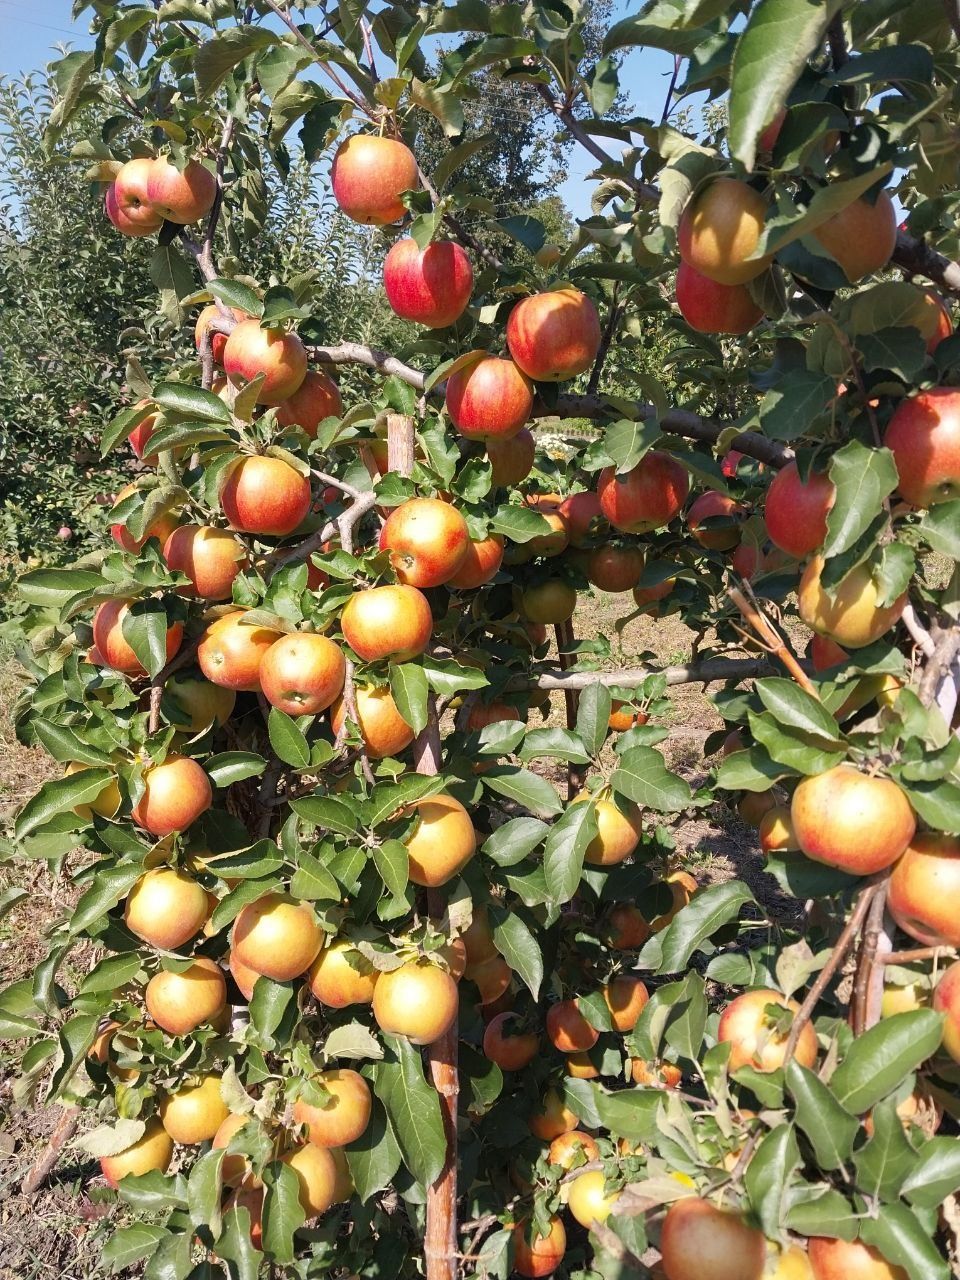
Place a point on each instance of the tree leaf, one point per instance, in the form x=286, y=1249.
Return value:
x=375, y=1157
x=413, y=1108
x=512, y=842
x=60, y=795
x=327, y=814
x=935, y=1175
x=830, y=1129
x=882, y=1058
x=903, y=1240
x=216, y=58
x=794, y=707
x=283, y=1214
x=288, y=740
x=526, y=788
x=774, y=1162
x=564, y=850
x=392, y=861
x=593, y=715
x=772, y=51
x=643, y=777
x=233, y=766
x=863, y=478
x=884, y=1161
x=709, y=910
x=518, y=946
x=408, y=684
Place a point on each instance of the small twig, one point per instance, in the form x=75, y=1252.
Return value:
x=677, y=63
x=917, y=953
x=563, y=633
x=837, y=41
x=365, y=31
x=643, y=190
x=946, y=647
x=610, y=328
x=834, y=961
x=918, y=632
x=342, y=485
x=770, y=636
x=42, y=1168
x=862, y=1011
x=324, y=66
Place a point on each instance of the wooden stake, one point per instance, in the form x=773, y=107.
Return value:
x=440, y=1240
x=563, y=633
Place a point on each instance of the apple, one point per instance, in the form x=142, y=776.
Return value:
x=587, y=1201
x=825, y=654
x=392, y=623
x=924, y=891
x=682, y=888
x=511, y=457
x=711, y=307
x=211, y=558
x=131, y=196
x=904, y=999
x=161, y=528
x=382, y=728
x=924, y=437
x=114, y=649
x=796, y=511
x=317, y=397
x=645, y=597
x=563, y=1150
x=490, y=399
x=181, y=196
x=665, y=1075
x=625, y=997
x=852, y=821
x=483, y=713
x=510, y=1050
x=850, y=615
x=551, y=601
x=620, y=720
x=442, y=841
x=713, y=505
x=535, y=1255
x=341, y=976
x=125, y=224
x=698, y=1239
x=277, y=354
x=861, y=237
x=553, y=1117
x=579, y=1066
x=582, y=515
x=625, y=928
x=720, y=230
x=567, y=1028
x=235, y=1165
x=230, y=654
x=105, y=803
x=480, y=564
x=317, y=1177
x=614, y=569
x=418, y=1000
x=264, y=495
x=946, y=1000
x=369, y=175
x=175, y=794
x=776, y=830
x=937, y=323
x=140, y=435
x=166, y=908
x=277, y=936
x=850, y=1260
x=181, y=1002
x=554, y=336
x=430, y=286
x=153, y=1150
x=753, y=806
x=618, y=828
x=753, y=1038
x=194, y=1112
x=302, y=673
x=768, y=137
x=210, y=315
x=343, y=1117
x=427, y=540
x=647, y=497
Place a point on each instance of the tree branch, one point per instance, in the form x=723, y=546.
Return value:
x=643, y=190
x=324, y=66
x=705, y=672
x=770, y=637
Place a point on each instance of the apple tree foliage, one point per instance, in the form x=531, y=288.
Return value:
x=870, y=98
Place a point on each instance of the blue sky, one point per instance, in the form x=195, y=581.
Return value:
x=33, y=28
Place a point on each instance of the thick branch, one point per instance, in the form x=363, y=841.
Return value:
x=919, y=259
x=705, y=672
x=41, y=1170
x=565, y=642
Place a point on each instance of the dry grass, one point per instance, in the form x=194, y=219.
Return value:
x=53, y=1235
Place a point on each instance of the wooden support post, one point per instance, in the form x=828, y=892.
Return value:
x=563, y=633
x=440, y=1240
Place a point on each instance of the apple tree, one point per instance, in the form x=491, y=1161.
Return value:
x=368, y=995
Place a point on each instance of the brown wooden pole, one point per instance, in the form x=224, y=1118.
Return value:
x=440, y=1240
x=563, y=633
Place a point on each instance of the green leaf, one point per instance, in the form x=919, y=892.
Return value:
x=526, y=788
x=393, y=862
x=445, y=677
x=216, y=58
x=937, y=803
x=233, y=293
x=51, y=588
x=512, y=842
x=562, y=744
x=773, y=1164
x=64, y=745
x=235, y=1246
x=192, y=402
x=270, y=1007
x=204, y=1190
x=863, y=478
x=233, y=766
x=772, y=51
x=111, y=974
x=519, y=524
x=593, y=715
x=313, y=881
x=935, y=1175
x=288, y=740
x=627, y=441
x=900, y=1236
x=388, y=797
x=940, y=528
x=375, y=1157
x=794, y=707
x=109, y=885
x=408, y=684
x=884, y=1161
x=830, y=1129
x=171, y=273
x=564, y=850
x=413, y=1107
x=827, y=201
x=797, y=752
x=60, y=795
x=643, y=777
x=130, y=1245
x=283, y=1214
x=327, y=813
x=144, y=628
x=911, y=63
x=818, y=1211
x=120, y=427
x=709, y=910
x=882, y=1058
x=519, y=947
x=801, y=394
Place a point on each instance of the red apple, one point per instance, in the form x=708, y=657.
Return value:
x=850, y=1260
x=112, y=645
x=712, y=505
x=554, y=336
x=511, y=457
x=264, y=495
x=369, y=175
x=924, y=893
x=130, y=194
x=427, y=540
x=181, y=196
x=275, y=353
x=796, y=512
x=946, y=1000
x=924, y=436
x=430, y=286
x=711, y=307
x=582, y=515
x=850, y=820
x=490, y=399
x=647, y=497
x=481, y=563
x=211, y=559
x=826, y=653
x=210, y=315
x=938, y=323
x=317, y=397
